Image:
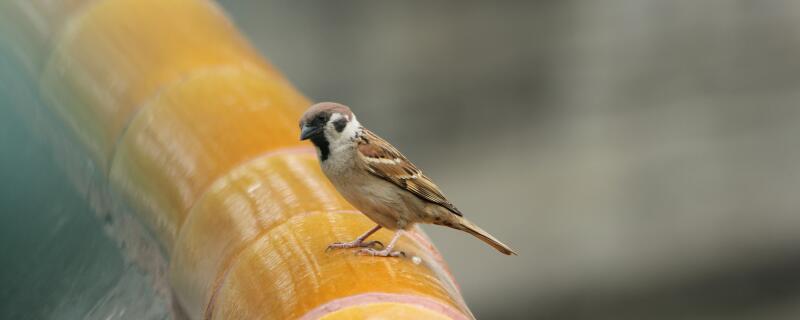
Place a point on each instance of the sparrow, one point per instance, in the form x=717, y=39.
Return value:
x=379, y=181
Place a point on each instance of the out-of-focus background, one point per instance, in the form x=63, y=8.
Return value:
x=643, y=157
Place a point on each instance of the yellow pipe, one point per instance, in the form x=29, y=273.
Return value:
x=199, y=135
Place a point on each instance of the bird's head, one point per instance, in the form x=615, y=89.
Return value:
x=328, y=122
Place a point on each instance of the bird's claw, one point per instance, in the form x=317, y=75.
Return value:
x=374, y=243
x=354, y=244
x=380, y=253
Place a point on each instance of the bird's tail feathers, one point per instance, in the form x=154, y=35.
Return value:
x=479, y=233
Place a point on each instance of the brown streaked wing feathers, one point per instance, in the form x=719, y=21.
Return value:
x=384, y=161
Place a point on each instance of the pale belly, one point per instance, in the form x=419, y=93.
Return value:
x=379, y=200
x=382, y=201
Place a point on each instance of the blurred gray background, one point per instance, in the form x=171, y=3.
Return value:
x=642, y=156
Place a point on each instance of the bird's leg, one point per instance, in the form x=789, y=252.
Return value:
x=358, y=242
x=386, y=252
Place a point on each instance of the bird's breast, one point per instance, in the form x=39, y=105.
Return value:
x=339, y=163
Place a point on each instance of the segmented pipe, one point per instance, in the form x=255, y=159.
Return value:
x=199, y=134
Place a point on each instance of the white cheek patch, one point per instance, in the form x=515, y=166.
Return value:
x=344, y=137
x=337, y=122
x=351, y=130
x=335, y=116
x=330, y=128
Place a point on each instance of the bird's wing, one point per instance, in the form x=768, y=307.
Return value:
x=383, y=160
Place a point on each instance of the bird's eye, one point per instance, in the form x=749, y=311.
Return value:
x=321, y=118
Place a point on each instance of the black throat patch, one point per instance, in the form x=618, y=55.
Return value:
x=321, y=142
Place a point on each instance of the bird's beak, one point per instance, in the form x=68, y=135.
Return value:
x=309, y=131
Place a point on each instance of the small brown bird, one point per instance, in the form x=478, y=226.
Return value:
x=378, y=180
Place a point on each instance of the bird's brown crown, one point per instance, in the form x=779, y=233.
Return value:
x=325, y=109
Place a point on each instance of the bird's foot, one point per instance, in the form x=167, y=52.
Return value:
x=354, y=244
x=380, y=253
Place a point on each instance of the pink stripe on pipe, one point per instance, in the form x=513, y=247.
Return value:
x=379, y=297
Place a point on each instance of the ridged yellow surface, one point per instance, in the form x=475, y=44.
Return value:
x=116, y=55
x=195, y=131
x=199, y=135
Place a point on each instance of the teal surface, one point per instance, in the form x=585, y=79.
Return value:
x=56, y=260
